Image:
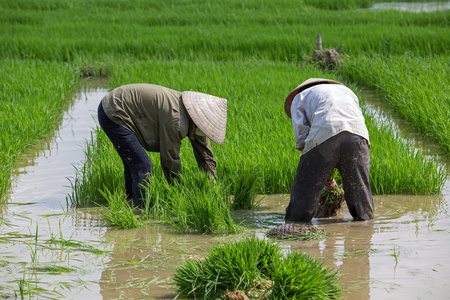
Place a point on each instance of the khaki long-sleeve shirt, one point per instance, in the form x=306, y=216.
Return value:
x=323, y=111
x=157, y=116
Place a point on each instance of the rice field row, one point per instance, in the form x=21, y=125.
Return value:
x=250, y=52
x=32, y=94
x=259, y=145
x=418, y=88
x=91, y=31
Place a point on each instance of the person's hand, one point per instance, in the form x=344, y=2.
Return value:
x=330, y=185
x=343, y=196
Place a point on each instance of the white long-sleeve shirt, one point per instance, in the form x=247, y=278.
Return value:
x=323, y=111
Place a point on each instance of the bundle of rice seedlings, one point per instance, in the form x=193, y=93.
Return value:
x=300, y=276
x=296, y=232
x=256, y=269
x=330, y=203
x=236, y=266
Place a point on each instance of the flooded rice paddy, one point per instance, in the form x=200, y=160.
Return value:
x=48, y=250
x=413, y=6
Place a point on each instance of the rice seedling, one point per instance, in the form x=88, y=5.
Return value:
x=119, y=212
x=52, y=270
x=255, y=265
x=33, y=247
x=201, y=205
x=395, y=255
x=240, y=265
x=300, y=276
x=245, y=187
x=102, y=162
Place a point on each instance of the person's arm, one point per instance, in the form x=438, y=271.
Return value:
x=170, y=144
x=203, y=154
x=300, y=123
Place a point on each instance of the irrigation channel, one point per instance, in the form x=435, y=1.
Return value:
x=58, y=252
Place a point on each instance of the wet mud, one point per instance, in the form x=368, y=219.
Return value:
x=401, y=254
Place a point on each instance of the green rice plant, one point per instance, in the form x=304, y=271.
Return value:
x=32, y=95
x=119, y=212
x=299, y=276
x=53, y=270
x=395, y=255
x=193, y=204
x=197, y=205
x=245, y=187
x=201, y=205
x=158, y=202
x=255, y=116
x=222, y=30
x=397, y=167
x=239, y=265
x=101, y=169
x=252, y=264
x=417, y=88
x=34, y=247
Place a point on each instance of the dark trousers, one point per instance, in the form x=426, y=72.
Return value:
x=137, y=165
x=347, y=152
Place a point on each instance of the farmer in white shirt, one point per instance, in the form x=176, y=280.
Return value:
x=330, y=131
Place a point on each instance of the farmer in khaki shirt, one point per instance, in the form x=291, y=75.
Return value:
x=330, y=131
x=155, y=118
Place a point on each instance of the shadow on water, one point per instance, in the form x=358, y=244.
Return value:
x=402, y=254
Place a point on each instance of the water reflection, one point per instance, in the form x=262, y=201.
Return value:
x=412, y=6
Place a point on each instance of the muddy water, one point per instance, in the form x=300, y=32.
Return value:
x=402, y=254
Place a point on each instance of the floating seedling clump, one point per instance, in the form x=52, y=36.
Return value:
x=296, y=232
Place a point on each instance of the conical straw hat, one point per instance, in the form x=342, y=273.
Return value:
x=209, y=113
x=306, y=84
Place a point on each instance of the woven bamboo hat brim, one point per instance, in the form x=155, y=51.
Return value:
x=209, y=113
x=306, y=84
